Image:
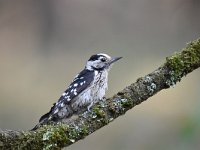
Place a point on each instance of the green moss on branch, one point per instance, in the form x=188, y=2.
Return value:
x=181, y=63
x=59, y=135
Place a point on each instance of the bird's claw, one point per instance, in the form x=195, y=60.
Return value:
x=89, y=107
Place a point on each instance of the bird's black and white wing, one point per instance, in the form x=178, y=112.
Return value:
x=79, y=84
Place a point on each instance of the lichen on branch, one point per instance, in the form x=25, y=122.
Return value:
x=64, y=133
x=182, y=63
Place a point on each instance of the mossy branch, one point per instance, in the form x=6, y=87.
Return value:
x=66, y=133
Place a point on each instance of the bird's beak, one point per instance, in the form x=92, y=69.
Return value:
x=114, y=60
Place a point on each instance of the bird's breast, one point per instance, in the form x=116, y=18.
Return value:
x=100, y=85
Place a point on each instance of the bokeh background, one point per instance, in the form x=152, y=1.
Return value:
x=44, y=44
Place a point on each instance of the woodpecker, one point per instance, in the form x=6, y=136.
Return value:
x=87, y=88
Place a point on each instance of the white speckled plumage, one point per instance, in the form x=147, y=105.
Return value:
x=87, y=88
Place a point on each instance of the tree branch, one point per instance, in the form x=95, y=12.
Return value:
x=65, y=133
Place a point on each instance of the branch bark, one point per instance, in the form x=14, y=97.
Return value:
x=65, y=133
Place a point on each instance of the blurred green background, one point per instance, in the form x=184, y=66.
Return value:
x=44, y=44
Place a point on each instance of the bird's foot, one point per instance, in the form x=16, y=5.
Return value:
x=89, y=107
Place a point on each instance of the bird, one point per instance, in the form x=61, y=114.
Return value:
x=87, y=88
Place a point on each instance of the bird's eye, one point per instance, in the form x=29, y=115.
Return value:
x=103, y=59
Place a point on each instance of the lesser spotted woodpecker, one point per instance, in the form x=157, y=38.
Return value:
x=87, y=88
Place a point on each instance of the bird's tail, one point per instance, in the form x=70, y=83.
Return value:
x=36, y=127
x=43, y=120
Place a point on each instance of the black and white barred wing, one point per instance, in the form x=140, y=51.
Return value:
x=79, y=84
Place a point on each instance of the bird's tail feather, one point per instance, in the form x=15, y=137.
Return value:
x=43, y=120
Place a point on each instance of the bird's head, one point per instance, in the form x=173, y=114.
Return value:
x=100, y=62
